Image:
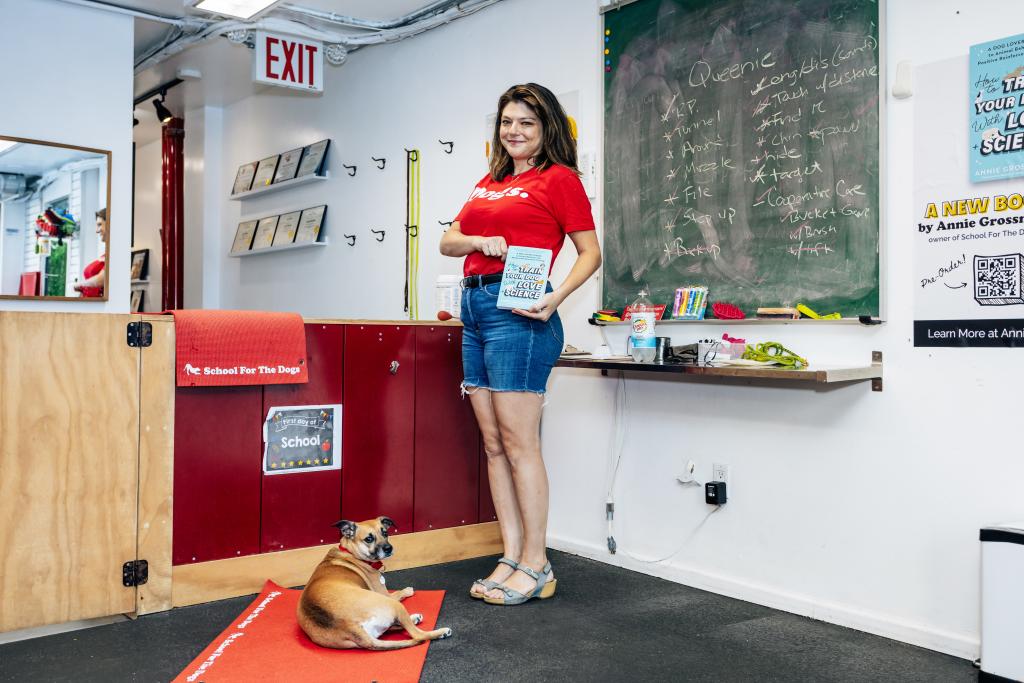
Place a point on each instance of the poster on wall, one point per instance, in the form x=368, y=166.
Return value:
x=996, y=139
x=302, y=439
x=968, y=238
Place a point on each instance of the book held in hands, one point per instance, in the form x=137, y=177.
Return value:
x=525, y=277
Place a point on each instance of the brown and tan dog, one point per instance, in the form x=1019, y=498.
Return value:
x=345, y=603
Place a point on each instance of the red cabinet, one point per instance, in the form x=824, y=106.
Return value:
x=447, y=467
x=487, y=513
x=378, y=423
x=217, y=456
x=410, y=447
x=298, y=509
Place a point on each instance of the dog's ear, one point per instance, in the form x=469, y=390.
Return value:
x=387, y=524
x=347, y=528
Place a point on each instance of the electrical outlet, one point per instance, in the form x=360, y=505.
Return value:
x=719, y=472
x=687, y=476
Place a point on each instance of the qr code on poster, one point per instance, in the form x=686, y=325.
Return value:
x=999, y=280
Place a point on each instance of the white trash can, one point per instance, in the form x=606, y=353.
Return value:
x=1002, y=603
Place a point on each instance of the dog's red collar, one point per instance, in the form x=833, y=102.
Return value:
x=376, y=565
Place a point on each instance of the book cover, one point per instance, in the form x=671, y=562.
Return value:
x=265, y=233
x=525, y=277
x=243, y=237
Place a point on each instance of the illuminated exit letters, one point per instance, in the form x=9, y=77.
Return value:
x=288, y=62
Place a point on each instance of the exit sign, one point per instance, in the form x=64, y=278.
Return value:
x=288, y=62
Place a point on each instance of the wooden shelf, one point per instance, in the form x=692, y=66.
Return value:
x=822, y=374
x=283, y=247
x=747, y=321
x=283, y=185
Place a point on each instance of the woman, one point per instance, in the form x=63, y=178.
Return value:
x=95, y=273
x=531, y=197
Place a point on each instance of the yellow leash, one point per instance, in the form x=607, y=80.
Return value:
x=412, y=228
x=774, y=352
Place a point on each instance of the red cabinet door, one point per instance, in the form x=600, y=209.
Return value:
x=377, y=423
x=299, y=509
x=447, y=475
x=487, y=513
x=217, y=466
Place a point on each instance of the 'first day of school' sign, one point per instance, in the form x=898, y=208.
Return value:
x=302, y=439
x=288, y=62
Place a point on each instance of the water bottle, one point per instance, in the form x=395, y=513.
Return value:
x=641, y=339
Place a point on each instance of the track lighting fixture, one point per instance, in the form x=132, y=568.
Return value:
x=162, y=112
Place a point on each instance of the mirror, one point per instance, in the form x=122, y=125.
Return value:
x=54, y=218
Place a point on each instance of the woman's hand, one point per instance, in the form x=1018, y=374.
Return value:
x=492, y=246
x=543, y=309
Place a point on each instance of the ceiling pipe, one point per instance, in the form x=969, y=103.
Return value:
x=355, y=22
x=187, y=22
x=342, y=43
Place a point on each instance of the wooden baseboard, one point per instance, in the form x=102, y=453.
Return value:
x=207, y=581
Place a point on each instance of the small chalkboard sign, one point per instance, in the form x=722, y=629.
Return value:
x=302, y=439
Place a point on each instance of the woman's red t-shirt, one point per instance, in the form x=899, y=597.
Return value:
x=533, y=209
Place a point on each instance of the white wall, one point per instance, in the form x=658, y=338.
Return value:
x=854, y=507
x=92, y=71
x=149, y=216
x=385, y=100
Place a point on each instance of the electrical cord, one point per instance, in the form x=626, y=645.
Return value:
x=615, y=461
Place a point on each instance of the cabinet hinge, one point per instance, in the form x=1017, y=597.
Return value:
x=135, y=573
x=140, y=334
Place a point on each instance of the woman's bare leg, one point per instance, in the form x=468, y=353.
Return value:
x=518, y=417
x=499, y=475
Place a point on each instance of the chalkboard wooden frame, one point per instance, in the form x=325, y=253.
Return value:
x=868, y=283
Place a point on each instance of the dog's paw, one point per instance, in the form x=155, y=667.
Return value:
x=447, y=633
x=416, y=618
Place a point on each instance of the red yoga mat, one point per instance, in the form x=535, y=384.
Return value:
x=265, y=643
x=227, y=348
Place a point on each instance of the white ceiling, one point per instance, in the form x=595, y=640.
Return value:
x=32, y=159
x=224, y=67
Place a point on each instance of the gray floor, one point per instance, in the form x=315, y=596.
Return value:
x=605, y=624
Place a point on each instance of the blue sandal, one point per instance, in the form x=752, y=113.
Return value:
x=488, y=584
x=544, y=589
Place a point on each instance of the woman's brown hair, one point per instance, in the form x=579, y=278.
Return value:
x=557, y=145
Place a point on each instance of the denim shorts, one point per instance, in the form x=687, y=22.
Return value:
x=504, y=351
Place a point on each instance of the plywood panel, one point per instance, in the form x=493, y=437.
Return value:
x=207, y=581
x=69, y=430
x=156, y=467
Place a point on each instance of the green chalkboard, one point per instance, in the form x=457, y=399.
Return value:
x=742, y=152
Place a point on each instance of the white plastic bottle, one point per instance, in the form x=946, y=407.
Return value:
x=642, y=337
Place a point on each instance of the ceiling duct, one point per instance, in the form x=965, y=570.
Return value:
x=12, y=185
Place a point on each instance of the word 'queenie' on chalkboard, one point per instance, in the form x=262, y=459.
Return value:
x=741, y=152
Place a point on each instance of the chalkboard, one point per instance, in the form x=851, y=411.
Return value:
x=742, y=152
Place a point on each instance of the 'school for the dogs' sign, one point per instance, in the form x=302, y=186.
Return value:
x=302, y=439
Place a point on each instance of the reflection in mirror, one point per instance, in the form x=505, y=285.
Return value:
x=53, y=220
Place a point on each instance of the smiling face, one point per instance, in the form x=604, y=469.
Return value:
x=521, y=134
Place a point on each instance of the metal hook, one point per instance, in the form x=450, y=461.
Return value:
x=449, y=145
x=445, y=222
x=378, y=232
x=351, y=240
x=412, y=154
x=413, y=230
x=380, y=162
x=351, y=169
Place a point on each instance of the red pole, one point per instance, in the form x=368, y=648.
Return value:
x=173, y=232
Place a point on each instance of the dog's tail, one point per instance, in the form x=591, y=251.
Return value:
x=317, y=614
